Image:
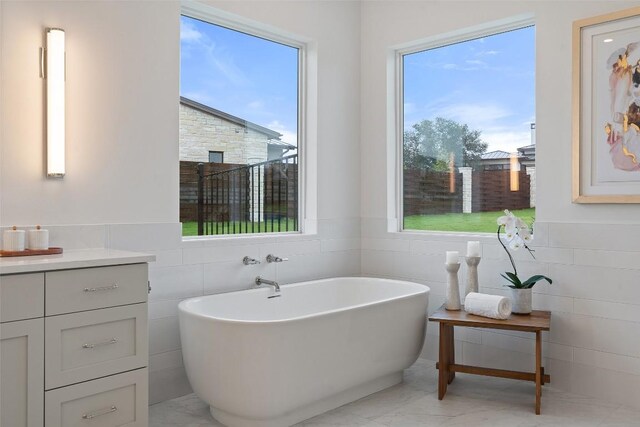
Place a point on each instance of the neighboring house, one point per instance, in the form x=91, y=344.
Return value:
x=501, y=160
x=210, y=135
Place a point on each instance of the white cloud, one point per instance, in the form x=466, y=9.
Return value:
x=287, y=135
x=188, y=33
x=487, y=53
x=506, y=139
x=477, y=116
x=195, y=44
x=255, y=105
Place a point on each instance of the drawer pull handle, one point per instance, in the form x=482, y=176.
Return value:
x=100, y=344
x=100, y=412
x=102, y=288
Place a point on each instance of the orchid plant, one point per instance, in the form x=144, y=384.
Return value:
x=518, y=234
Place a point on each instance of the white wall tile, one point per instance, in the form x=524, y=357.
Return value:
x=166, y=258
x=335, y=245
x=395, y=245
x=614, y=259
x=611, y=361
x=377, y=263
x=210, y=254
x=437, y=247
x=618, y=237
x=164, y=308
x=540, y=254
x=606, y=384
x=234, y=276
x=170, y=283
x=141, y=237
x=339, y=228
x=614, y=336
x=166, y=360
x=551, y=303
x=597, y=283
x=608, y=310
x=164, y=335
x=78, y=236
x=168, y=384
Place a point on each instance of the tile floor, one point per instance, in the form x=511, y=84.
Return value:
x=470, y=401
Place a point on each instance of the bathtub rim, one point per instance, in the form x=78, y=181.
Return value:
x=183, y=311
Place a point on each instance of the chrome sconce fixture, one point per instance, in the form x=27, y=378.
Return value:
x=53, y=69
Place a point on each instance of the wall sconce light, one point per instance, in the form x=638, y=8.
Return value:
x=514, y=173
x=53, y=62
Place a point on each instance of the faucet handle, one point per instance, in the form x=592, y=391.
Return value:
x=250, y=261
x=273, y=258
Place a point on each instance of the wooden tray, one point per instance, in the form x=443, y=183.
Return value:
x=29, y=252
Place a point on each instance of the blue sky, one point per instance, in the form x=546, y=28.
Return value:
x=245, y=76
x=488, y=83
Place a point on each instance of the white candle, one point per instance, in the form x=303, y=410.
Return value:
x=452, y=257
x=473, y=248
x=13, y=240
x=38, y=239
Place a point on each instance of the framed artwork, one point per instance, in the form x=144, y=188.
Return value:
x=606, y=108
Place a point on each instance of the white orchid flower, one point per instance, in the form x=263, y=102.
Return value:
x=525, y=234
x=516, y=243
x=507, y=220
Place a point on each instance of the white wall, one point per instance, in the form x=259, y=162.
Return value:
x=591, y=252
x=121, y=188
x=122, y=117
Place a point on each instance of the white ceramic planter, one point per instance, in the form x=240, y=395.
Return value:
x=520, y=300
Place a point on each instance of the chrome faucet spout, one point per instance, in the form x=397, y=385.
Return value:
x=260, y=281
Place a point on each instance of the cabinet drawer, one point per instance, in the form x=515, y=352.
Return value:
x=83, y=346
x=119, y=400
x=21, y=296
x=90, y=288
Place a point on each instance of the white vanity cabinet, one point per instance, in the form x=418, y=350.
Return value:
x=74, y=340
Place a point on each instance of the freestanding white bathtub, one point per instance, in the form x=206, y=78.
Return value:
x=260, y=361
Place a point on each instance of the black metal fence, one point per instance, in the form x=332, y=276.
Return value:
x=257, y=198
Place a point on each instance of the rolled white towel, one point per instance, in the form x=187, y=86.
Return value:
x=493, y=306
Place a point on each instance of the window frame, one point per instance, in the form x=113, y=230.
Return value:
x=307, y=97
x=216, y=152
x=395, y=109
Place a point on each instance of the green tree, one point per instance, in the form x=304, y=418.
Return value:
x=429, y=144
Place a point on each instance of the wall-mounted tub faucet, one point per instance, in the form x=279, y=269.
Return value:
x=273, y=258
x=260, y=281
x=250, y=261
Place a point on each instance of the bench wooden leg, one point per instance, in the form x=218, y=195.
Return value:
x=443, y=365
x=538, y=370
x=452, y=352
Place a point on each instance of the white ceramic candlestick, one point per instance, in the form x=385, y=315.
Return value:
x=453, y=290
x=472, y=274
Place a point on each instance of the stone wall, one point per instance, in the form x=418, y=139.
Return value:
x=201, y=132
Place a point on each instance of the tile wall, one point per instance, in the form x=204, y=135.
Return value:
x=593, y=347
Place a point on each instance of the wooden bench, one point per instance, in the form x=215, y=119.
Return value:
x=537, y=322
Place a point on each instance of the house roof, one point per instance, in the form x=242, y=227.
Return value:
x=498, y=154
x=274, y=137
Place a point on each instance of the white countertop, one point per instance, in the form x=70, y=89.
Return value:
x=80, y=258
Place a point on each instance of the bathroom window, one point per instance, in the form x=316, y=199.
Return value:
x=468, y=132
x=239, y=130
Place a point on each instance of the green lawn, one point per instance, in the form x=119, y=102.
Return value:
x=482, y=222
x=191, y=228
